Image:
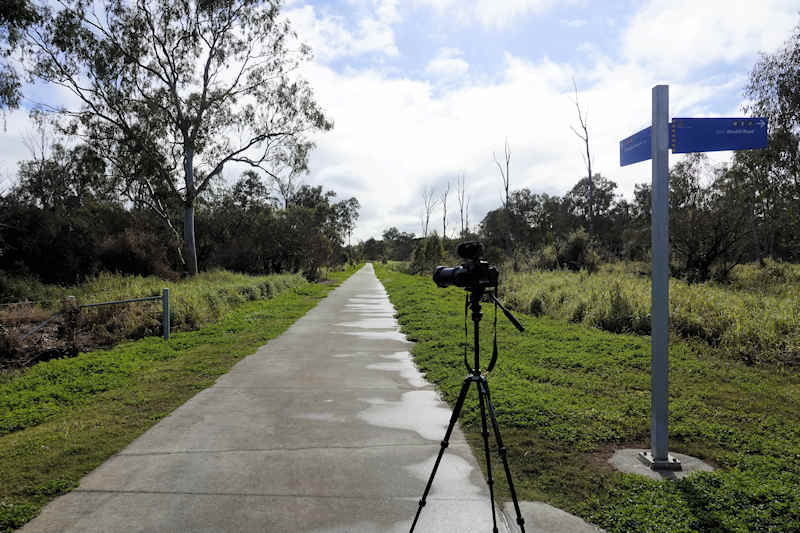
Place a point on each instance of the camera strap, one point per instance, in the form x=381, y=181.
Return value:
x=494, y=343
x=466, y=332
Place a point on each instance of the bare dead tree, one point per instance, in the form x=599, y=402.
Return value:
x=443, y=199
x=460, y=188
x=38, y=143
x=466, y=217
x=429, y=202
x=583, y=118
x=285, y=182
x=504, y=174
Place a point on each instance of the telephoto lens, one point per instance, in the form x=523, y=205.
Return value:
x=445, y=276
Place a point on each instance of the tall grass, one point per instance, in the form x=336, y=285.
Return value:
x=62, y=418
x=755, y=317
x=566, y=396
x=195, y=301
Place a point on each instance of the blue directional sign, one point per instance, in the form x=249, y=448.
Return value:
x=635, y=148
x=713, y=134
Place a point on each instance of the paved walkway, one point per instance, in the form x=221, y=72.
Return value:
x=328, y=428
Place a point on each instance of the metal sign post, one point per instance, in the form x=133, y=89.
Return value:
x=683, y=135
x=658, y=458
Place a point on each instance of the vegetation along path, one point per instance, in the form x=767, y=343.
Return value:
x=62, y=418
x=328, y=427
x=568, y=395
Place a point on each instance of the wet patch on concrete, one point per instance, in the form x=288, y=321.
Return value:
x=371, y=323
x=453, y=471
x=419, y=411
x=370, y=309
x=379, y=335
x=403, y=364
x=378, y=300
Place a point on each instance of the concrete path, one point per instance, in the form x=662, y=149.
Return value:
x=328, y=428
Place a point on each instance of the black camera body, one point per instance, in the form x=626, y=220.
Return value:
x=473, y=273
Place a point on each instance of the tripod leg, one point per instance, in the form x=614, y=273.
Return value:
x=445, y=444
x=485, y=434
x=483, y=387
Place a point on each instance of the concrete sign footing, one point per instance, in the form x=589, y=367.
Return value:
x=629, y=460
x=654, y=464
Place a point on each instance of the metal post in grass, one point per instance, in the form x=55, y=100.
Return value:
x=658, y=458
x=682, y=135
x=165, y=307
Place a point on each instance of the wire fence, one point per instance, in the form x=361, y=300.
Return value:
x=71, y=306
x=31, y=333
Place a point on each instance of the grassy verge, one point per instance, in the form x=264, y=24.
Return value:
x=194, y=302
x=567, y=395
x=751, y=320
x=61, y=419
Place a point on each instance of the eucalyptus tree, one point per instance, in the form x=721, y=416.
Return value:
x=15, y=17
x=172, y=91
x=773, y=174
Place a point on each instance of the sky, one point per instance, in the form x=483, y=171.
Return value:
x=424, y=91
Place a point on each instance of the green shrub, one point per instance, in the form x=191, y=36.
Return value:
x=772, y=277
x=566, y=396
x=23, y=288
x=546, y=258
x=618, y=316
x=578, y=253
x=14, y=516
x=536, y=307
x=749, y=323
x=578, y=313
x=427, y=255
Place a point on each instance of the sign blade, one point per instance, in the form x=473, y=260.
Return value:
x=715, y=134
x=635, y=148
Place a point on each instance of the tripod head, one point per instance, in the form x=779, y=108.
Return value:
x=475, y=276
x=474, y=272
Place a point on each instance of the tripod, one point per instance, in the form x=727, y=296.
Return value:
x=476, y=293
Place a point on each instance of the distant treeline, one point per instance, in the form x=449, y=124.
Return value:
x=65, y=220
x=720, y=216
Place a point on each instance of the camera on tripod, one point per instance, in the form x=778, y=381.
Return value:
x=476, y=276
x=472, y=273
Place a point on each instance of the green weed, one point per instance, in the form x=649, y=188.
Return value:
x=193, y=302
x=745, y=320
x=568, y=395
x=62, y=418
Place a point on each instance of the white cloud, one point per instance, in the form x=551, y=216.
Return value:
x=12, y=146
x=448, y=63
x=394, y=136
x=496, y=14
x=329, y=35
x=676, y=37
